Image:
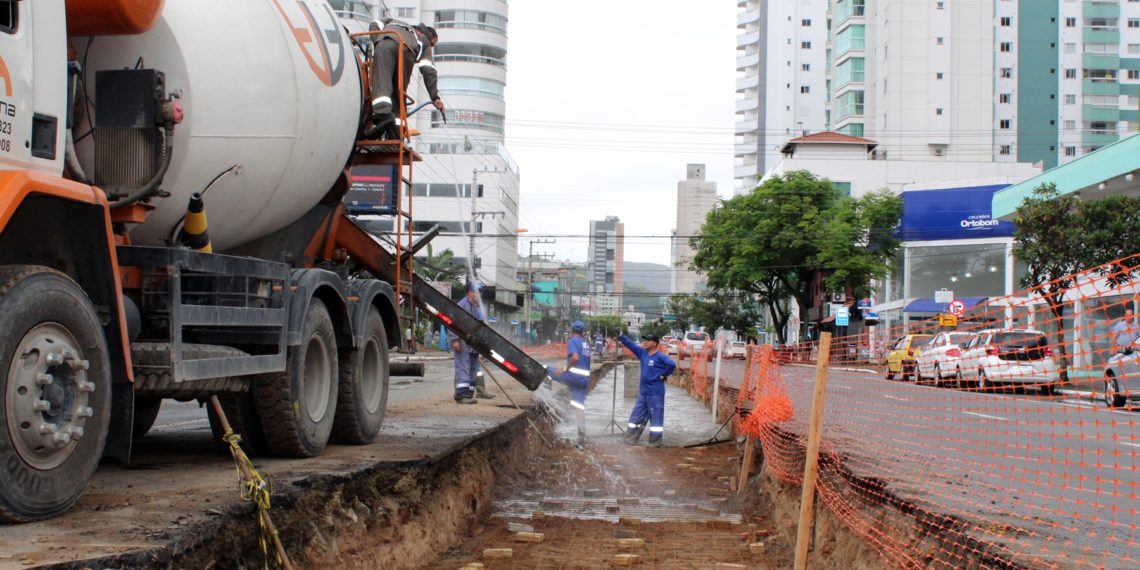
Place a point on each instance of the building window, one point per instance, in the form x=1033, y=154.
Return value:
x=471, y=20
x=805, y=23
x=1004, y=150
x=938, y=111
x=1070, y=151
x=1071, y=48
x=939, y=40
x=805, y=67
x=1134, y=22
x=1133, y=48
x=805, y=88
x=805, y=45
x=1006, y=72
x=478, y=86
x=1134, y=74
x=1070, y=125
x=939, y=5
x=1003, y=124
x=1006, y=21
x=1070, y=73
x=1071, y=99
x=1004, y=98
x=405, y=12
x=1006, y=47
x=1070, y=22
x=938, y=75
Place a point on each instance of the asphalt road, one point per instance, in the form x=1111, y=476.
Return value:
x=1061, y=470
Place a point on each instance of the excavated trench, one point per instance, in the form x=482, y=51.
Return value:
x=595, y=506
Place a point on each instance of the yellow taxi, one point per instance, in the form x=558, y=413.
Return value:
x=903, y=356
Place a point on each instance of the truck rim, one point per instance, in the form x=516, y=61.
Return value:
x=372, y=383
x=318, y=378
x=47, y=396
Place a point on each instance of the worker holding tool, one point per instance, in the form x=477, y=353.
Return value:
x=469, y=381
x=650, y=404
x=576, y=374
x=387, y=101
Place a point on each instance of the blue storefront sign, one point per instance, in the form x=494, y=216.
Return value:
x=951, y=213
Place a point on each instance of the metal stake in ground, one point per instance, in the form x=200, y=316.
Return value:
x=254, y=487
x=811, y=463
x=512, y=401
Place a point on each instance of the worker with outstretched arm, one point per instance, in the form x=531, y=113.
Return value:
x=650, y=404
x=387, y=101
x=576, y=374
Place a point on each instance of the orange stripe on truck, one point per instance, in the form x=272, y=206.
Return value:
x=111, y=17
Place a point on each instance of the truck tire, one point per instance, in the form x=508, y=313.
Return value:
x=363, y=385
x=146, y=413
x=55, y=392
x=296, y=407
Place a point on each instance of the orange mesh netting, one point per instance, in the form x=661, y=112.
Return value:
x=1005, y=440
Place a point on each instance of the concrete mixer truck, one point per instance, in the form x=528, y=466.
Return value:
x=115, y=115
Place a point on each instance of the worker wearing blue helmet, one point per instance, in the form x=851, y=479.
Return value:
x=576, y=374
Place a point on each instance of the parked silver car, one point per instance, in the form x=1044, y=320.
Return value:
x=940, y=356
x=1008, y=356
x=1122, y=376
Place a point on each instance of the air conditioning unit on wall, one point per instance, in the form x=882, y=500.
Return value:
x=838, y=297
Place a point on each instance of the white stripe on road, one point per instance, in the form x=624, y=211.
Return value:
x=985, y=416
x=182, y=424
x=899, y=399
x=1130, y=444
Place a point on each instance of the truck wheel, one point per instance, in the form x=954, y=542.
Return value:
x=56, y=388
x=146, y=413
x=296, y=407
x=363, y=386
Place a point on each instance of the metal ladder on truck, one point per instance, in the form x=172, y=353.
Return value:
x=380, y=182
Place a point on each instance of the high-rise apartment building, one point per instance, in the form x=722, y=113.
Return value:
x=1033, y=81
x=782, y=56
x=696, y=197
x=604, y=259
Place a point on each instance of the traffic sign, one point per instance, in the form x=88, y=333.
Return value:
x=957, y=308
x=842, y=316
x=945, y=320
x=865, y=303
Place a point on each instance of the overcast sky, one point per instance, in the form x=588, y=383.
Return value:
x=607, y=101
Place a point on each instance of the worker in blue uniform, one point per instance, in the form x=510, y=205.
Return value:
x=576, y=374
x=468, y=375
x=650, y=404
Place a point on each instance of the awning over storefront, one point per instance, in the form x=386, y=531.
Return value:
x=927, y=304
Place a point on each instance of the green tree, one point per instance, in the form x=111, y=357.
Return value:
x=730, y=310
x=441, y=268
x=683, y=307
x=770, y=242
x=1059, y=236
x=657, y=327
x=609, y=325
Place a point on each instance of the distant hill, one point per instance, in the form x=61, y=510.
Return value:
x=654, y=277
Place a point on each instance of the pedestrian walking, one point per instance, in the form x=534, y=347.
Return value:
x=1125, y=330
x=576, y=374
x=387, y=100
x=650, y=405
x=410, y=336
x=468, y=374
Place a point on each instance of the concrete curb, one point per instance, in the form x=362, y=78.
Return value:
x=860, y=370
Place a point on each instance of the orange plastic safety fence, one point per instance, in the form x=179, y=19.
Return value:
x=699, y=370
x=545, y=351
x=1007, y=439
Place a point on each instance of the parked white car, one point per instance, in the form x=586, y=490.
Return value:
x=1008, y=356
x=1122, y=376
x=940, y=356
x=736, y=349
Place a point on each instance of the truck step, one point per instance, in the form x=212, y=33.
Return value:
x=154, y=373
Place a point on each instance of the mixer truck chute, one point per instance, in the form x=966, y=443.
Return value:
x=114, y=115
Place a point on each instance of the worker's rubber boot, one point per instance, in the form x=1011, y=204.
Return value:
x=631, y=436
x=581, y=442
x=383, y=125
x=481, y=388
x=654, y=440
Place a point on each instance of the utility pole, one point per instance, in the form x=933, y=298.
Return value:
x=475, y=193
x=530, y=277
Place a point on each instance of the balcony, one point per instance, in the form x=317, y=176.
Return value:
x=1099, y=137
x=747, y=39
x=746, y=126
x=747, y=104
x=1100, y=60
x=748, y=17
x=1101, y=9
x=746, y=171
x=745, y=149
x=1100, y=113
x=1100, y=35
x=745, y=61
x=747, y=82
x=1101, y=86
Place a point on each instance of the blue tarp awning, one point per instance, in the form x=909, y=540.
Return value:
x=927, y=304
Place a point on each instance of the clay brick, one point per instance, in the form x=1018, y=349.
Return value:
x=496, y=553
x=718, y=491
x=626, y=559
x=684, y=465
x=612, y=508
x=670, y=493
x=593, y=493
x=718, y=524
x=623, y=533
x=472, y=566
x=629, y=521
x=629, y=501
x=757, y=547
x=519, y=527
x=630, y=543
x=529, y=537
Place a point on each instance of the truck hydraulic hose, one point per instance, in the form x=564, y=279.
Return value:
x=74, y=169
x=152, y=187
